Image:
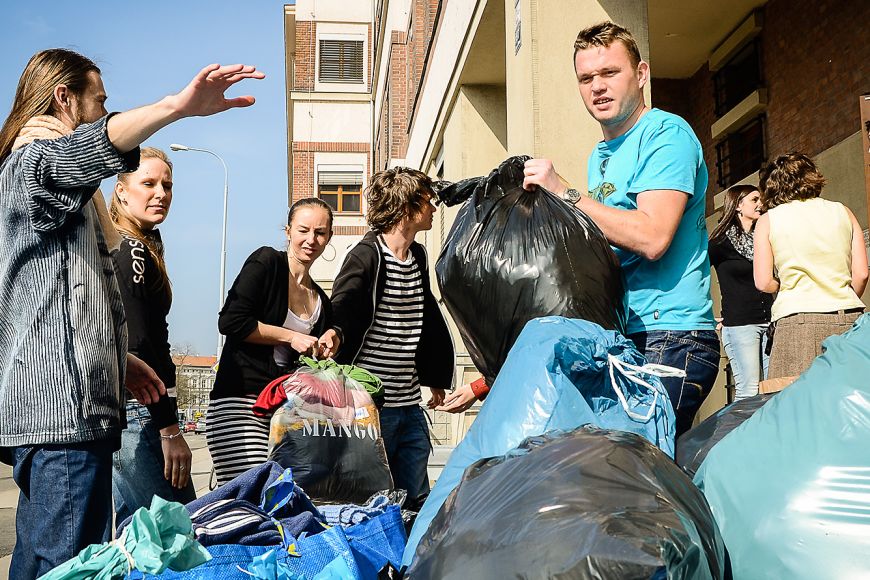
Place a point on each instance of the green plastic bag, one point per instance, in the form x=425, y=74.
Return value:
x=156, y=539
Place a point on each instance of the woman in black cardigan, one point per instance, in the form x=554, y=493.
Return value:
x=274, y=312
x=745, y=310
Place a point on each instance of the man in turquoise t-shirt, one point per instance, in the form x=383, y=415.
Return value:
x=647, y=184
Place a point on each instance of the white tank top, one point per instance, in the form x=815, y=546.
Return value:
x=284, y=354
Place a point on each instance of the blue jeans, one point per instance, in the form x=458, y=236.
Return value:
x=137, y=468
x=694, y=351
x=745, y=347
x=406, y=439
x=65, y=503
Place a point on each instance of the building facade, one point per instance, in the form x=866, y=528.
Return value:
x=328, y=77
x=456, y=86
x=460, y=85
x=194, y=379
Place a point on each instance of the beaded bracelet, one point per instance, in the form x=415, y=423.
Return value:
x=173, y=436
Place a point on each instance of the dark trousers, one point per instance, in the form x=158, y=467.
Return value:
x=137, y=470
x=694, y=351
x=406, y=439
x=64, y=505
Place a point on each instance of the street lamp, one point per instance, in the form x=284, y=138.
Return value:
x=177, y=147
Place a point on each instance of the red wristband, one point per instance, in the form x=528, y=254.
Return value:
x=480, y=389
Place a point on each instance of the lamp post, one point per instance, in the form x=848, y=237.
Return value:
x=177, y=147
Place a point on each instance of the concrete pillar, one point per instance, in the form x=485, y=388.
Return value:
x=475, y=138
x=545, y=115
x=474, y=143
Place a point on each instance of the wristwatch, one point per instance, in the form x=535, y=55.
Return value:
x=571, y=195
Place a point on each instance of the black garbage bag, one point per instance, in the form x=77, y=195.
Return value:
x=585, y=504
x=693, y=445
x=513, y=255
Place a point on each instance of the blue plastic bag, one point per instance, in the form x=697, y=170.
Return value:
x=378, y=541
x=232, y=561
x=790, y=487
x=363, y=550
x=560, y=374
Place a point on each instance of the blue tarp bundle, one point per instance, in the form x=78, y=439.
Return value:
x=790, y=487
x=560, y=374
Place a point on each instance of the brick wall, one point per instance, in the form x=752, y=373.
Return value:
x=815, y=65
x=398, y=103
x=424, y=22
x=331, y=147
x=303, y=77
x=303, y=174
x=303, y=163
x=408, y=55
x=306, y=53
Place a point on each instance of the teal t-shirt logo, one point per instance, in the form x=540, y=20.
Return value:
x=603, y=191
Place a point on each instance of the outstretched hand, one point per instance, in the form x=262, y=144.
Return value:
x=142, y=382
x=459, y=400
x=205, y=93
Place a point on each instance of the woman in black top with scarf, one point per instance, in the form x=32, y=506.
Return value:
x=745, y=310
x=273, y=313
x=154, y=459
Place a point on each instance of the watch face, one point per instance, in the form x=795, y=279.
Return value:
x=572, y=195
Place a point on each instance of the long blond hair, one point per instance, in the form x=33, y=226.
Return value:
x=35, y=94
x=127, y=226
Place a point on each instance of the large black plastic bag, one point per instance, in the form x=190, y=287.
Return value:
x=586, y=504
x=513, y=255
x=695, y=444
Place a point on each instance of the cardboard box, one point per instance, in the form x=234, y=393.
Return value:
x=775, y=385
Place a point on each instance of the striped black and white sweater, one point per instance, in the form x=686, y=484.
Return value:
x=63, y=340
x=359, y=289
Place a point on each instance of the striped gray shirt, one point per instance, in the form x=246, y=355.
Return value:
x=390, y=345
x=63, y=338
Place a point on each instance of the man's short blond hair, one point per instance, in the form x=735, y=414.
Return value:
x=603, y=35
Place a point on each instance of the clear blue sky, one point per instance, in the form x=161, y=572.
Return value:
x=150, y=49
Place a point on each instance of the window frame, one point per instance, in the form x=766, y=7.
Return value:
x=340, y=199
x=721, y=101
x=726, y=176
x=356, y=81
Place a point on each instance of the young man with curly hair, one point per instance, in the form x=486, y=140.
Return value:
x=391, y=324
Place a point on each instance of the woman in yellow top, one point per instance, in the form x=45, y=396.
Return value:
x=810, y=251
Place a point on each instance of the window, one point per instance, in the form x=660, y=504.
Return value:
x=341, y=61
x=740, y=154
x=736, y=80
x=342, y=190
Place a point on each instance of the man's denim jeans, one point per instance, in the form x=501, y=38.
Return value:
x=65, y=503
x=745, y=347
x=693, y=351
x=137, y=468
x=406, y=438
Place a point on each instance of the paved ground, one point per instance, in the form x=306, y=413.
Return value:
x=201, y=470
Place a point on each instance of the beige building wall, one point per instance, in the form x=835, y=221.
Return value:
x=327, y=121
x=334, y=10
x=546, y=117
